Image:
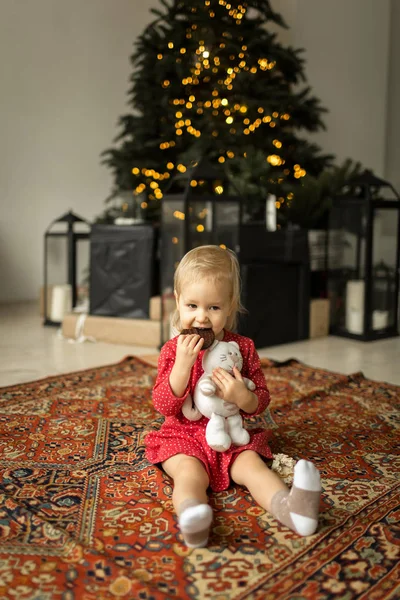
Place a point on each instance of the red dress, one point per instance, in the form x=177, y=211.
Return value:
x=179, y=435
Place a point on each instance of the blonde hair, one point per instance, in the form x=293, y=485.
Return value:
x=217, y=264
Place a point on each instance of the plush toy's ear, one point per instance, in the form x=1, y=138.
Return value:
x=235, y=344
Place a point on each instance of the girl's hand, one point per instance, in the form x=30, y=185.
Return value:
x=233, y=389
x=187, y=350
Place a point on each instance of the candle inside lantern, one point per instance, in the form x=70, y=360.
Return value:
x=61, y=302
x=270, y=213
x=380, y=319
x=355, y=291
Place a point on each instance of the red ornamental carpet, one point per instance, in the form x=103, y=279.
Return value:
x=84, y=517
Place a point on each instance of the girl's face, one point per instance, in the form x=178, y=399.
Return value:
x=204, y=303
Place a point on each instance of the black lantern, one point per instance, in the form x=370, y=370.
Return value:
x=363, y=259
x=63, y=235
x=197, y=209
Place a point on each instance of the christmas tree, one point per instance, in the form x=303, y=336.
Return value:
x=211, y=81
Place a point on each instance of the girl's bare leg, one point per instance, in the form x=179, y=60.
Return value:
x=190, y=499
x=298, y=508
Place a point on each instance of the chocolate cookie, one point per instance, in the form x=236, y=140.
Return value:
x=206, y=333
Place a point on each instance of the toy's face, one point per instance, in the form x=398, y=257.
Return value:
x=204, y=304
x=225, y=355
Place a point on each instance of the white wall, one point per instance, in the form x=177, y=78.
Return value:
x=393, y=120
x=347, y=65
x=64, y=72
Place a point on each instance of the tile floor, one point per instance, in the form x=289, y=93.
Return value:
x=29, y=351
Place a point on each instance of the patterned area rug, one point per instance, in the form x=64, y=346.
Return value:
x=85, y=517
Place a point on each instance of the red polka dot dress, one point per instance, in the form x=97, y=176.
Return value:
x=179, y=435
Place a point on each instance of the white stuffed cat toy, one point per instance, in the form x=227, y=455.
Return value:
x=225, y=426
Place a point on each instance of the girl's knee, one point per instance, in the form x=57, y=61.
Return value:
x=245, y=464
x=181, y=466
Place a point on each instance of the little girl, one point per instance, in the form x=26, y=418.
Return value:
x=207, y=292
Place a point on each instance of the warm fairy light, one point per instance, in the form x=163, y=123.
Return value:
x=159, y=56
x=274, y=160
x=229, y=120
x=243, y=109
x=179, y=215
x=170, y=45
x=181, y=168
x=265, y=64
x=222, y=246
x=200, y=228
x=193, y=183
x=175, y=240
x=135, y=171
x=219, y=189
x=299, y=172
x=143, y=205
x=221, y=159
x=170, y=165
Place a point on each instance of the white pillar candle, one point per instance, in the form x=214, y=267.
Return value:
x=61, y=302
x=380, y=319
x=270, y=213
x=355, y=293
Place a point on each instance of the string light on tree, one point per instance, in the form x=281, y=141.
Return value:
x=199, y=77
